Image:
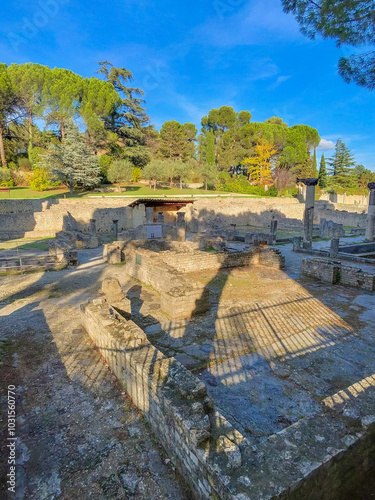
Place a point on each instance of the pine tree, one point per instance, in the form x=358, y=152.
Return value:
x=342, y=164
x=349, y=23
x=175, y=143
x=342, y=161
x=322, y=178
x=70, y=161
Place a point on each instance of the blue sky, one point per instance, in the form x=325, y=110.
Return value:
x=192, y=56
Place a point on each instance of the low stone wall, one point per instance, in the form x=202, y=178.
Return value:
x=29, y=264
x=208, y=213
x=332, y=271
x=199, y=441
x=199, y=261
x=344, y=199
x=181, y=297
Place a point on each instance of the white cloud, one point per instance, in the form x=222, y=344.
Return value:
x=279, y=81
x=256, y=23
x=325, y=145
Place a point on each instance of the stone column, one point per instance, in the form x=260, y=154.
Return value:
x=334, y=249
x=93, y=227
x=370, y=223
x=323, y=227
x=160, y=218
x=308, y=217
x=149, y=215
x=115, y=229
x=181, y=226
x=297, y=243
x=273, y=230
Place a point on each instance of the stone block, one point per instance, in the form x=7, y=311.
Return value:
x=114, y=254
x=112, y=290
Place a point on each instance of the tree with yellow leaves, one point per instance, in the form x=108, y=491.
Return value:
x=259, y=165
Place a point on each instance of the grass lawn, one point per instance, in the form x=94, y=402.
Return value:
x=133, y=190
x=27, y=193
x=26, y=244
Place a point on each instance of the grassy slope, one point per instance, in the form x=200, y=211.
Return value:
x=136, y=190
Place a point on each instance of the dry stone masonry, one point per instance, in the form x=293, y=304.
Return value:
x=334, y=272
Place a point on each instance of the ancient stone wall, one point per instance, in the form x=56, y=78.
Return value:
x=332, y=271
x=34, y=218
x=206, y=212
x=180, y=297
x=173, y=400
x=46, y=217
x=343, y=199
x=335, y=214
x=199, y=261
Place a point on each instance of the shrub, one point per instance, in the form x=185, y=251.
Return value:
x=136, y=174
x=24, y=163
x=41, y=179
x=104, y=163
x=5, y=178
x=34, y=156
x=240, y=184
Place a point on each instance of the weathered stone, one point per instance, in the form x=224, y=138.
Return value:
x=231, y=451
x=112, y=290
x=130, y=482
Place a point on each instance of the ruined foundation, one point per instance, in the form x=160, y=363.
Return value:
x=318, y=457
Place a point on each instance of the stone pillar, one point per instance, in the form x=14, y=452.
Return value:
x=115, y=229
x=308, y=217
x=297, y=243
x=273, y=230
x=370, y=223
x=323, y=227
x=160, y=218
x=93, y=227
x=149, y=215
x=334, y=249
x=234, y=229
x=181, y=226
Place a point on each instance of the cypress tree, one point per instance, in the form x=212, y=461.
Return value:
x=322, y=178
x=314, y=165
x=210, y=148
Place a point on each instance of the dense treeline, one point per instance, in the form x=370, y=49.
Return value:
x=58, y=127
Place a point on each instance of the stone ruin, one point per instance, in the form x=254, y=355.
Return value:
x=335, y=273
x=306, y=458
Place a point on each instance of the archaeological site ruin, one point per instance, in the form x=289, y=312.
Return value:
x=239, y=334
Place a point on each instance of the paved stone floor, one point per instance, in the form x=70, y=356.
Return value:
x=79, y=436
x=275, y=344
